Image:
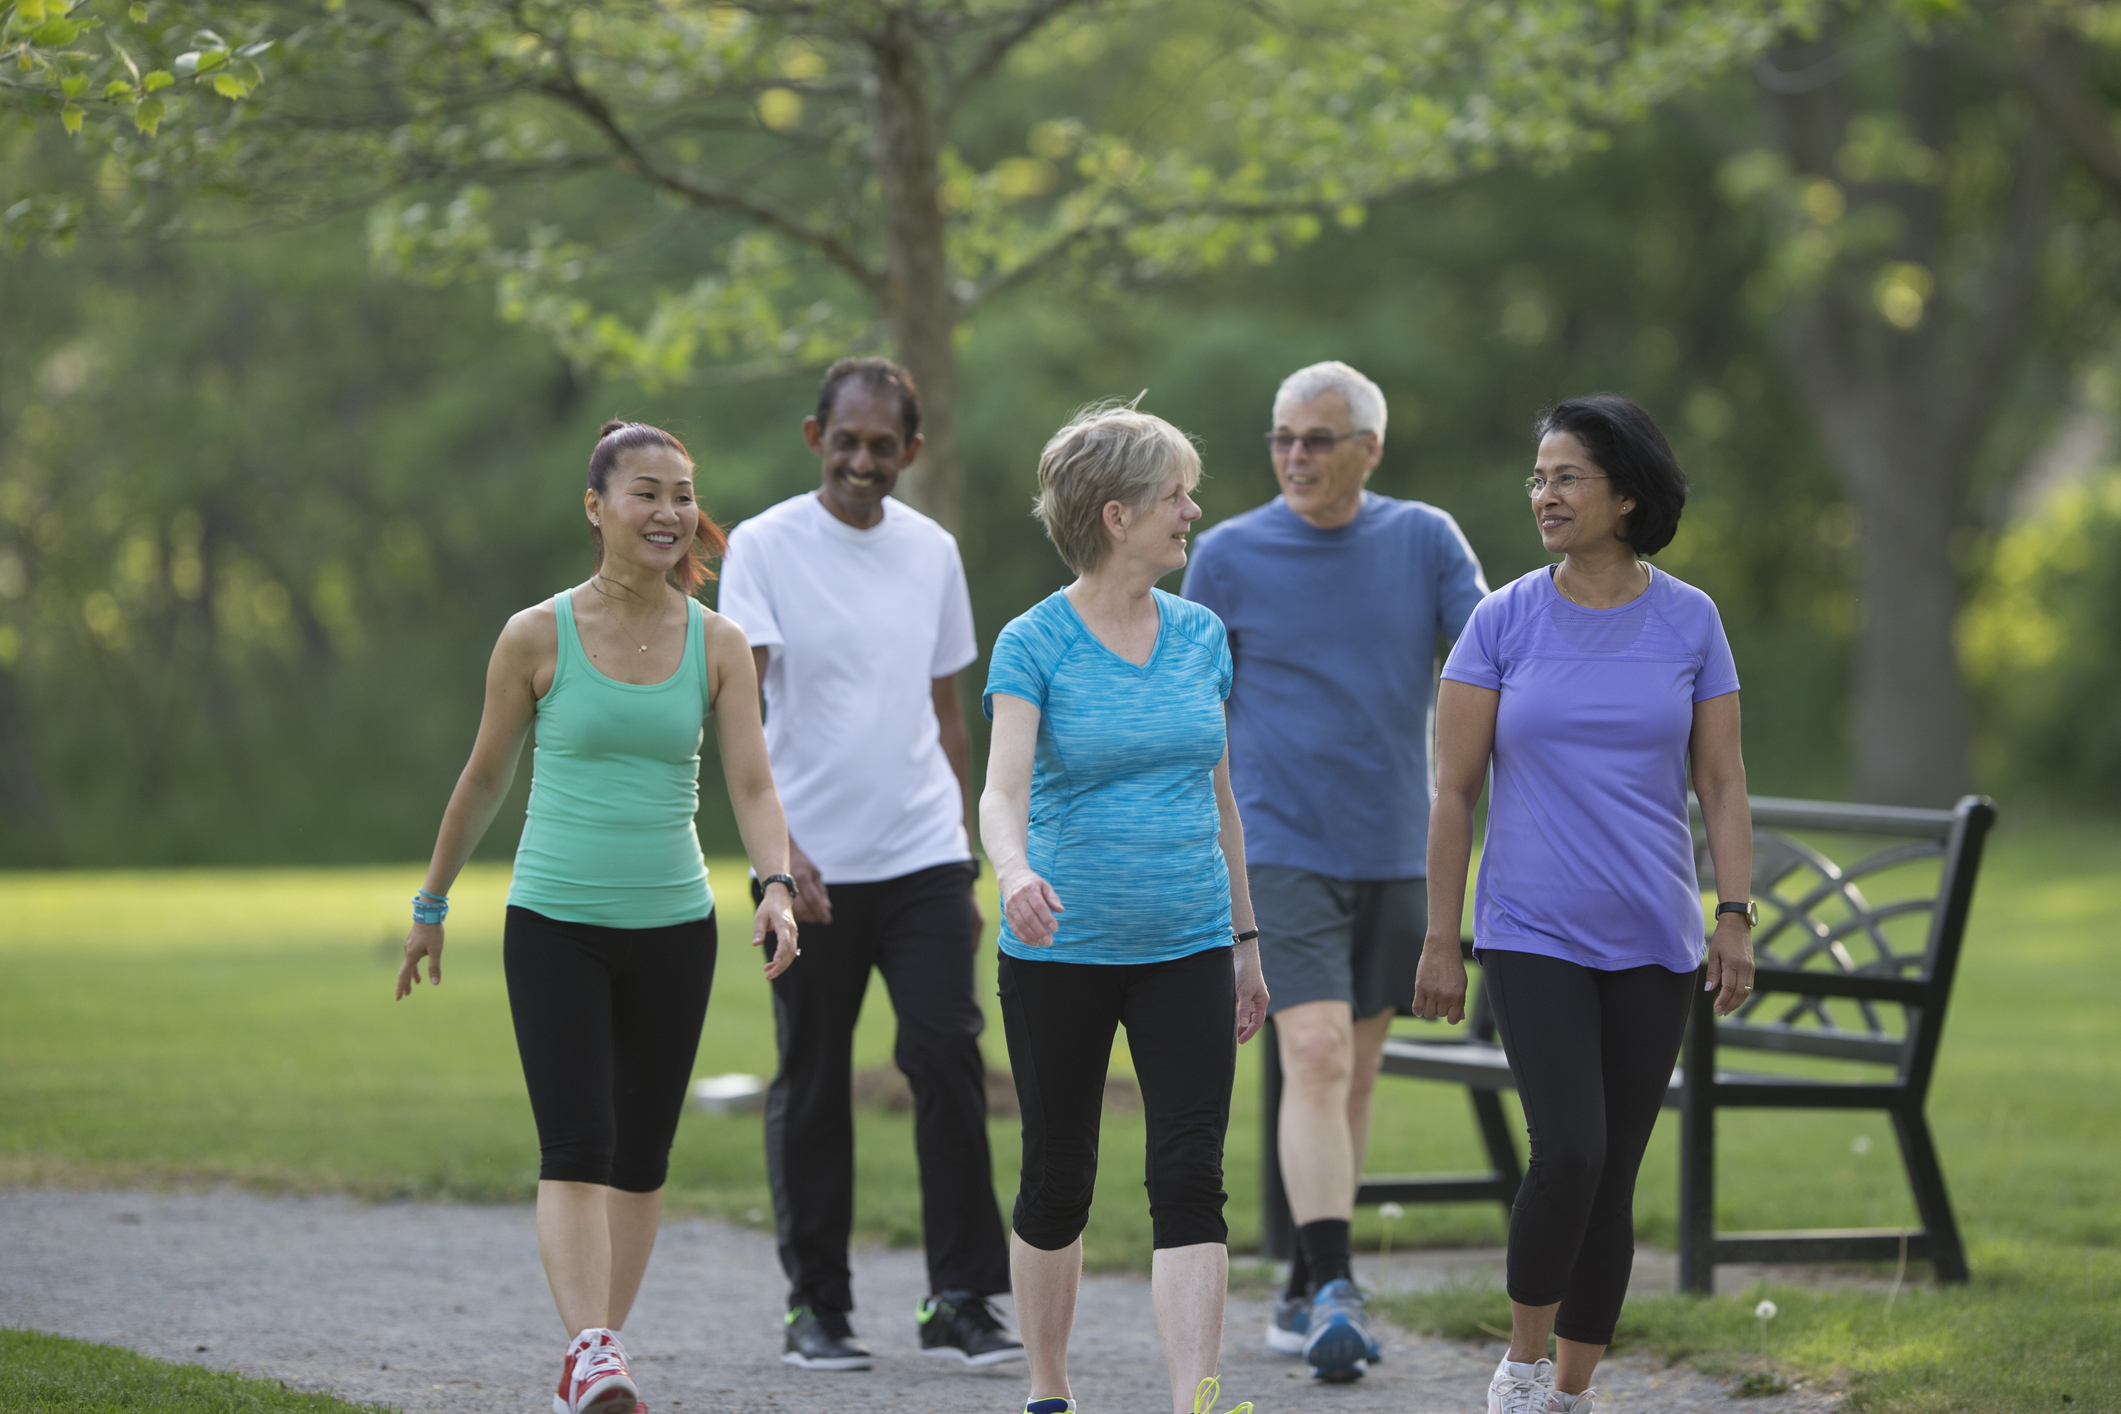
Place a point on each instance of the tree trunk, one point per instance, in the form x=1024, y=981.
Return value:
x=921, y=304
x=1903, y=412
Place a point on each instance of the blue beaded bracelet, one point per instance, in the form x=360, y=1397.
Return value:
x=429, y=908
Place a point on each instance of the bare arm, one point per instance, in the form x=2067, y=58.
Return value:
x=813, y=903
x=1251, y=982
x=749, y=777
x=957, y=747
x=1465, y=739
x=1028, y=901
x=522, y=663
x=1719, y=780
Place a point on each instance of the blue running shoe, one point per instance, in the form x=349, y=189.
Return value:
x=1338, y=1344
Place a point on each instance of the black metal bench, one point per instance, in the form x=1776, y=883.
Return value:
x=1841, y=976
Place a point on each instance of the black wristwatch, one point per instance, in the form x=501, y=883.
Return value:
x=783, y=880
x=1749, y=911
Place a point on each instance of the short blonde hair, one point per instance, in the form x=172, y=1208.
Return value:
x=1107, y=452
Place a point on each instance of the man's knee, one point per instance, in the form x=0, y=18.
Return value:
x=1317, y=1044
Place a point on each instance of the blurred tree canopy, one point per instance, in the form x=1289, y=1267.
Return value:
x=262, y=512
x=861, y=171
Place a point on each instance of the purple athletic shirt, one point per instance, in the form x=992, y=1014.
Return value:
x=1589, y=856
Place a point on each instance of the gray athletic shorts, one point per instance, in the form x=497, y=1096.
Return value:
x=1338, y=940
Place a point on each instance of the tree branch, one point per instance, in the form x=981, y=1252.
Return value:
x=569, y=90
x=2012, y=293
x=1027, y=22
x=2059, y=86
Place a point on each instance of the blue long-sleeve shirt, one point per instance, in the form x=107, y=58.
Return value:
x=1334, y=636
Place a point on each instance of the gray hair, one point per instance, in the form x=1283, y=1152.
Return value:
x=1366, y=401
x=1107, y=452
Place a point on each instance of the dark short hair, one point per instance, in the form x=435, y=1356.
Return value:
x=1628, y=446
x=879, y=375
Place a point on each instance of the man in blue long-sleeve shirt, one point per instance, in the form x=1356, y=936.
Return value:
x=1337, y=601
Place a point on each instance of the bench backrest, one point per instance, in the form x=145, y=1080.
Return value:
x=1893, y=904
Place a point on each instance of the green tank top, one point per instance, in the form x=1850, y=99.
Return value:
x=614, y=784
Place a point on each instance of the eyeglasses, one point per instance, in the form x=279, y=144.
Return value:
x=1565, y=483
x=1316, y=443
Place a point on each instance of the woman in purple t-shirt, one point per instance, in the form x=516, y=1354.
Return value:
x=1591, y=687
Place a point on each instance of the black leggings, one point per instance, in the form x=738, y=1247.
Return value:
x=607, y=1022
x=1592, y=1055
x=1181, y=1020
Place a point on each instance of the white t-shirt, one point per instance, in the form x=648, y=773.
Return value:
x=859, y=623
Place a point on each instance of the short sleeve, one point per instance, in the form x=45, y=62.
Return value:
x=1016, y=667
x=1223, y=671
x=1476, y=657
x=1201, y=584
x=1459, y=583
x=955, y=646
x=1718, y=674
x=744, y=597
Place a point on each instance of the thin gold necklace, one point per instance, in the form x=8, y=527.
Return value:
x=1640, y=564
x=610, y=603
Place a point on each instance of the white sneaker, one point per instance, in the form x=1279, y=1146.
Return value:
x=1515, y=1392
x=593, y=1380
x=1585, y=1403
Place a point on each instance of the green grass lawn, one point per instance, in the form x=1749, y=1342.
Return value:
x=237, y=1025
x=50, y=1375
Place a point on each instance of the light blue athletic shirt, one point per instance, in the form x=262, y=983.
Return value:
x=1123, y=817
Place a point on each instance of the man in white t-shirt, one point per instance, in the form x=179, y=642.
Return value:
x=856, y=610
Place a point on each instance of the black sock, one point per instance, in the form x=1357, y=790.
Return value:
x=1299, y=1287
x=1325, y=1249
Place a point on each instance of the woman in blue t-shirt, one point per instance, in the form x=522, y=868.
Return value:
x=1591, y=687
x=1116, y=842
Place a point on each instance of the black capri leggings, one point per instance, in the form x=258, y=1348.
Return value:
x=1592, y=1054
x=1181, y=1027
x=607, y=1022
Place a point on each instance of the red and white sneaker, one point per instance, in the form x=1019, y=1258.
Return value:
x=593, y=1378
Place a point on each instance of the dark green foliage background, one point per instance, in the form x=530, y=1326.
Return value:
x=263, y=512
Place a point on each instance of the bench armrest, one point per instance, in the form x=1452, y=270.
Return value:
x=1911, y=990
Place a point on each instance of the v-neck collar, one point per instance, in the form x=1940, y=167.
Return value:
x=1147, y=665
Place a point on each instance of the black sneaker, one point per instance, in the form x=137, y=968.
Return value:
x=962, y=1325
x=819, y=1338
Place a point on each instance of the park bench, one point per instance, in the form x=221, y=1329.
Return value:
x=1855, y=964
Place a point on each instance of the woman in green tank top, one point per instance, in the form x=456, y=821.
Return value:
x=610, y=938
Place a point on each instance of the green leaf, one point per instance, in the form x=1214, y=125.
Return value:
x=53, y=33
x=33, y=11
x=148, y=116
x=74, y=85
x=156, y=78
x=70, y=119
x=117, y=88
x=231, y=87
x=138, y=14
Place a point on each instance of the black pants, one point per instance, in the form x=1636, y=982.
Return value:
x=607, y=1023
x=1181, y=1020
x=1592, y=1055
x=920, y=932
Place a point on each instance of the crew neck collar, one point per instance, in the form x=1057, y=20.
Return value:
x=887, y=508
x=1554, y=591
x=1362, y=512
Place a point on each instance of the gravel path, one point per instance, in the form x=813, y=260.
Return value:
x=443, y=1307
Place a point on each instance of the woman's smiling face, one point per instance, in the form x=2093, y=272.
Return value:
x=646, y=511
x=1589, y=514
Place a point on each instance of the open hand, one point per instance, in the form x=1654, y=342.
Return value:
x=1251, y=992
x=1730, y=964
x=425, y=940
x=776, y=919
